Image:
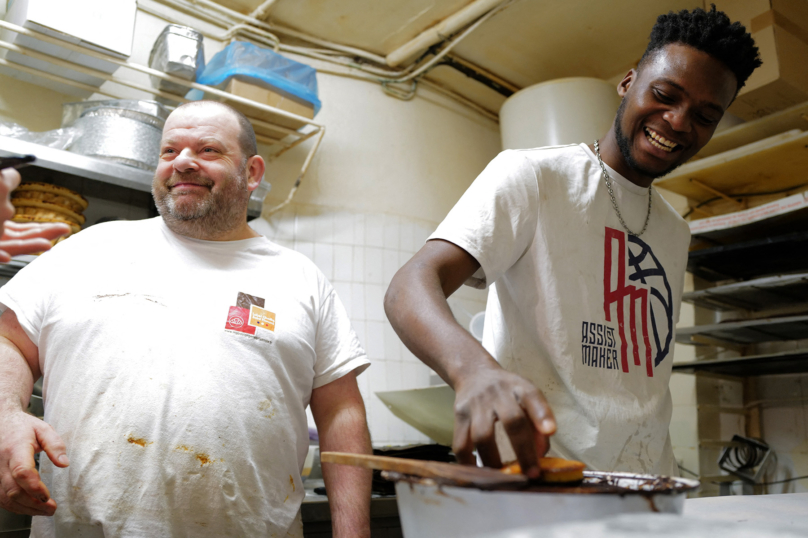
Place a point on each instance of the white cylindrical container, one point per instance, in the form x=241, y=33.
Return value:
x=429, y=510
x=557, y=112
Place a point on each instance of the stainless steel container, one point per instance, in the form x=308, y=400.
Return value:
x=119, y=130
x=177, y=51
x=428, y=509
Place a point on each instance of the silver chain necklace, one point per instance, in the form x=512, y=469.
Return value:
x=614, y=202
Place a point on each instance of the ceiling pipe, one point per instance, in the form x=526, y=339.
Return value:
x=263, y=10
x=279, y=29
x=441, y=31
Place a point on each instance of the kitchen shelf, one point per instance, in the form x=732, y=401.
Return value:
x=776, y=164
x=749, y=331
x=759, y=294
x=10, y=269
x=273, y=126
x=795, y=117
x=779, y=217
x=792, y=362
x=750, y=259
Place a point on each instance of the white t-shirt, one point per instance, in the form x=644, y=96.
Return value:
x=178, y=372
x=564, y=277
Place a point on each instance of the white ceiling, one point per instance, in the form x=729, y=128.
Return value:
x=529, y=42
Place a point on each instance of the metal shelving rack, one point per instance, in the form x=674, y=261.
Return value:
x=105, y=179
x=750, y=267
x=290, y=131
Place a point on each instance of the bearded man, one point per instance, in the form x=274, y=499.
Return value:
x=179, y=355
x=586, y=265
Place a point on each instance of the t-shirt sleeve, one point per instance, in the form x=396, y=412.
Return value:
x=28, y=293
x=337, y=347
x=495, y=220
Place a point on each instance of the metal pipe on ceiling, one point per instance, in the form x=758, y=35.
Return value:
x=441, y=31
x=423, y=69
x=258, y=29
x=263, y=10
x=183, y=4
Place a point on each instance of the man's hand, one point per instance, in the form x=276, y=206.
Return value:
x=21, y=489
x=490, y=394
x=22, y=238
x=27, y=238
x=485, y=393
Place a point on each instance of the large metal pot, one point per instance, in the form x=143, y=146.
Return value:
x=428, y=509
x=119, y=130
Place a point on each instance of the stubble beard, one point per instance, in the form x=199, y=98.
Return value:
x=213, y=216
x=624, y=144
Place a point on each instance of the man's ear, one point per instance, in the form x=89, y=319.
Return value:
x=255, y=172
x=626, y=83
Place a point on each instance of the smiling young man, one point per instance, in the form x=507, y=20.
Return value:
x=586, y=264
x=179, y=355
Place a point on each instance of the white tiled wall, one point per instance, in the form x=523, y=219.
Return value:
x=360, y=253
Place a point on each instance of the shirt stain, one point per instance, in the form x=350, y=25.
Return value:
x=292, y=482
x=204, y=459
x=265, y=406
x=136, y=441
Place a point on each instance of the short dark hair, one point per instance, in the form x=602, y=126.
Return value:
x=246, y=136
x=710, y=32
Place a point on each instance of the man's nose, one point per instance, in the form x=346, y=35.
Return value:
x=185, y=161
x=679, y=119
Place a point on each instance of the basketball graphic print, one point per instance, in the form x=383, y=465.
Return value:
x=637, y=296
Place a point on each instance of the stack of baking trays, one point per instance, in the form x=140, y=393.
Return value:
x=43, y=202
x=748, y=198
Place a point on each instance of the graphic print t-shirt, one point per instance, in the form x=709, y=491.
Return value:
x=178, y=372
x=577, y=306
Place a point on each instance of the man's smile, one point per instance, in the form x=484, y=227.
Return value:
x=660, y=142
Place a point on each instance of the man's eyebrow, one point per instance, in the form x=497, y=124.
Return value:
x=210, y=139
x=708, y=104
x=204, y=140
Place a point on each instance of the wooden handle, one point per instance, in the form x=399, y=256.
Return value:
x=463, y=475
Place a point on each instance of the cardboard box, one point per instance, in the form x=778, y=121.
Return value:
x=106, y=26
x=272, y=98
x=780, y=30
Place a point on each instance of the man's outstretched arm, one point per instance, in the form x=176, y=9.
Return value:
x=416, y=305
x=339, y=413
x=22, y=435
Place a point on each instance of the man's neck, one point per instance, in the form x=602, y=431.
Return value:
x=612, y=156
x=198, y=230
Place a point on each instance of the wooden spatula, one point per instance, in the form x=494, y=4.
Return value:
x=462, y=475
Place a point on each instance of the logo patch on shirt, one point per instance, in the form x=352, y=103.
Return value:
x=634, y=283
x=248, y=315
x=238, y=320
x=262, y=318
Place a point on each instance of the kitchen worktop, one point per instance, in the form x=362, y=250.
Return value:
x=752, y=516
x=790, y=510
